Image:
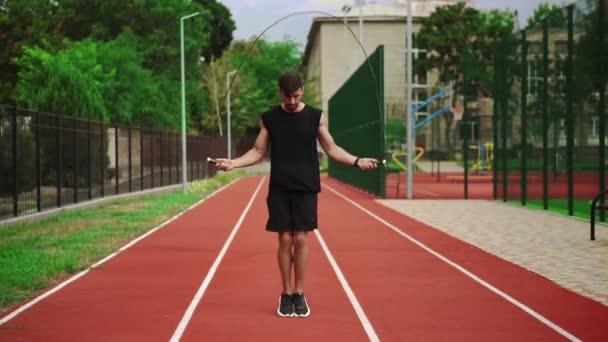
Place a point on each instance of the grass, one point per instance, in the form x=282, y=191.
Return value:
x=560, y=206
x=37, y=255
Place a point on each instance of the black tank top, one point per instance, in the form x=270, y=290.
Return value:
x=294, y=163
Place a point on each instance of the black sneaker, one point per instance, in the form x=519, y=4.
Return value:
x=285, y=305
x=300, y=305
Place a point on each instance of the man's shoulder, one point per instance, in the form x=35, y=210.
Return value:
x=313, y=109
x=271, y=110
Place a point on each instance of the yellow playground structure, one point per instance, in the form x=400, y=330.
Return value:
x=485, y=157
x=419, y=153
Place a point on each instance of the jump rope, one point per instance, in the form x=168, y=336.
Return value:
x=335, y=18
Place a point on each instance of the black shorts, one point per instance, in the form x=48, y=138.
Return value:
x=291, y=211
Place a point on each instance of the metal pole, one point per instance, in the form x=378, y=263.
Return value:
x=181, y=38
x=361, y=2
x=495, y=121
x=545, y=112
x=524, y=116
x=75, y=160
x=117, y=159
x=130, y=154
x=345, y=10
x=89, y=168
x=229, y=127
x=15, y=164
x=570, y=111
x=410, y=125
x=141, y=158
x=602, y=100
x=38, y=172
x=103, y=153
x=465, y=121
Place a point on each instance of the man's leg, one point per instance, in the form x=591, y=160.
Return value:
x=285, y=257
x=300, y=258
x=300, y=253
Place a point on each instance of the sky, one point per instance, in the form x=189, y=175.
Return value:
x=254, y=16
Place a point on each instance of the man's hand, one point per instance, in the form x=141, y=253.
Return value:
x=367, y=163
x=223, y=164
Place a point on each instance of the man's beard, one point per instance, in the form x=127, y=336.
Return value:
x=292, y=107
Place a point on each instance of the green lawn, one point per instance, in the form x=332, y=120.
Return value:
x=34, y=256
x=560, y=206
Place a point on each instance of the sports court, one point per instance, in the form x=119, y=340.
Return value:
x=375, y=274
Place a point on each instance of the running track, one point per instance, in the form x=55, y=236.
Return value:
x=211, y=275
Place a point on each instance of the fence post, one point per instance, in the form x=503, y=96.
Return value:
x=465, y=122
x=116, y=158
x=495, y=126
x=89, y=168
x=545, y=110
x=169, y=156
x=505, y=120
x=177, y=158
x=190, y=141
x=152, y=159
x=198, y=159
x=570, y=111
x=129, y=145
x=601, y=61
x=162, y=181
x=59, y=161
x=15, y=150
x=141, y=158
x=38, y=173
x=102, y=152
x=75, y=159
x=524, y=116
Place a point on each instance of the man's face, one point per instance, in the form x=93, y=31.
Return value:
x=291, y=101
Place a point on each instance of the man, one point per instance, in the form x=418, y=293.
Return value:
x=291, y=129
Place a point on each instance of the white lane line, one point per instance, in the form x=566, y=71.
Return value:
x=471, y=275
x=369, y=329
x=104, y=260
x=183, y=324
x=426, y=192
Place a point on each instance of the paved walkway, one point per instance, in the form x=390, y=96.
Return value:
x=554, y=246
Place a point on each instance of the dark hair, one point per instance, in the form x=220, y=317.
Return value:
x=289, y=82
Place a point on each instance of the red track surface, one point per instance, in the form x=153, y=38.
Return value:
x=407, y=293
x=451, y=186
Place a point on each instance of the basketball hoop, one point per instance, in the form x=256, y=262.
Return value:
x=458, y=111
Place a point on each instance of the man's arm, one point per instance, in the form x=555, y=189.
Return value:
x=254, y=155
x=337, y=153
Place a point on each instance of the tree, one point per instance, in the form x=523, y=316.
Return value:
x=145, y=61
x=254, y=88
x=553, y=13
x=446, y=33
x=24, y=23
x=67, y=83
x=220, y=29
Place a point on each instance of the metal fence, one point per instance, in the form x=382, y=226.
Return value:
x=49, y=161
x=550, y=110
x=357, y=123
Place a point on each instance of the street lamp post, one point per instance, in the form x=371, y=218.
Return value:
x=229, y=127
x=181, y=40
x=345, y=10
x=361, y=3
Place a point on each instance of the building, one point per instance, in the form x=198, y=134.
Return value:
x=333, y=52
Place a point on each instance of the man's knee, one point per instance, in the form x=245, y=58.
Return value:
x=285, y=240
x=300, y=239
